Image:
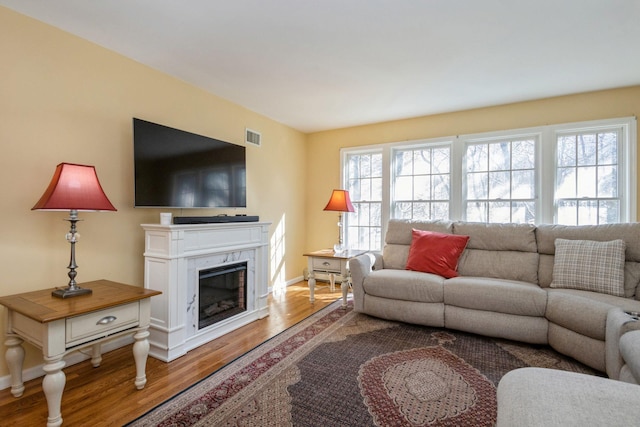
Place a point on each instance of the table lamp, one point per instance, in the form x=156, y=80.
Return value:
x=73, y=188
x=339, y=202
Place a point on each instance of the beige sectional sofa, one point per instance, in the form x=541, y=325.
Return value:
x=504, y=288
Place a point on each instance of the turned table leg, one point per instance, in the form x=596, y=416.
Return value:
x=345, y=285
x=140, y=353
x=15, y=358
x=332, y=282
x=96, y=355
x=53, y=386
x=312, y=286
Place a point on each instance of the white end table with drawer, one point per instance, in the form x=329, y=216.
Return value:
x=329, y=262
x=61, y=326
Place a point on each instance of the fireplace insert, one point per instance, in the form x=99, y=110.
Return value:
x=222, y=292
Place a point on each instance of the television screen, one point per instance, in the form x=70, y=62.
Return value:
x=178, y=169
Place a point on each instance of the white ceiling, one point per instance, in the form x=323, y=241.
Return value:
x=326, y=64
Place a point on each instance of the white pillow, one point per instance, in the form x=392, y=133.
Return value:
x=590, y=266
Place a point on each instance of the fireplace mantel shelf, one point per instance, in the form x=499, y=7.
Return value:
x=174, y=255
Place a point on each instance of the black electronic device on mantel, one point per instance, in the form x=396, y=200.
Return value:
x=178, y=169
x=215, y=219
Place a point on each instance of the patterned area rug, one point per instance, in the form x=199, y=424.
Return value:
x=340, y=368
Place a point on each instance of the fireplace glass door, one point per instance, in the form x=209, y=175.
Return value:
x=222, y=293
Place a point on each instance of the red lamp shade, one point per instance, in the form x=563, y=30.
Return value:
x=74, y=187
x=339, y=202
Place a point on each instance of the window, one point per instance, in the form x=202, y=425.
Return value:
x=500, y=181
x=364, y=183
x=587, y=178
x=421, y=182
x=579, y=173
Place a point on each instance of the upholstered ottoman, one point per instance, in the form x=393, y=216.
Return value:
x=530, y=397
x=548, y=397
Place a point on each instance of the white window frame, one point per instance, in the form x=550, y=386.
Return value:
x=384, y=207
x=431, y=144
x=545, y=165
x=627, y=160
x=519, y=134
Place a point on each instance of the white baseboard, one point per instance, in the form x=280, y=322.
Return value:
x=72, y=359
x=294, y=281
x=289, y=283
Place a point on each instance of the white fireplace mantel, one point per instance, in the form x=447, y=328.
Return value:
x=173, y=256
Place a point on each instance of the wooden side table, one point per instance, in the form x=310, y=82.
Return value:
x=61, y=326
x=332, y=263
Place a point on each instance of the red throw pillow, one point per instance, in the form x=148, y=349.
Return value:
x=437, y=253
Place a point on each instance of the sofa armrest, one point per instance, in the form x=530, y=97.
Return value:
x=630, y=351
x=360, y=267
x=378, y=263
x=618, y=324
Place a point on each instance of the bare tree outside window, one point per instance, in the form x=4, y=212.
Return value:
x=570, y=174
x=500, y=181
x=421, y=183
x=587, y=178
x=364, y=183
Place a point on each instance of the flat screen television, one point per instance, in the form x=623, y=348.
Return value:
x=179, y=169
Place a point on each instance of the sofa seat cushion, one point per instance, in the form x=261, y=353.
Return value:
x=584, y=312
x=497, y=295
x=404, y=285
x=530, y=397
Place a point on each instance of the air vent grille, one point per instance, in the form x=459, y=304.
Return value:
x=253, y=137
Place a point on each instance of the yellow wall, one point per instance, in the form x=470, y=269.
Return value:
x=323, y=148
x=63, y=99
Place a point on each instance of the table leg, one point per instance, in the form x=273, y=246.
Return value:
x=346, y=282
x=345, y=285
x=140, y=353
x=53, y=386
x=312, y=286
x=332, y=282
x=96, y=355
x=15, y=358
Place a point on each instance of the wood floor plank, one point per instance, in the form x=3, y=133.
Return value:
x=106, y=396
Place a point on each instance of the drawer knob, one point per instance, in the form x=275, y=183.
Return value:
x=106, y=320
x=326, y=263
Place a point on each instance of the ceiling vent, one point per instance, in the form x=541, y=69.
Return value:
x=252, y=137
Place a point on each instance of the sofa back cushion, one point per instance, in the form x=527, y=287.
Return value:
x=546, y=235
x=399, y=236
x=501, y=251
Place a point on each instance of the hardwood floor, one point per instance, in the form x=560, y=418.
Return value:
x=106, y=396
